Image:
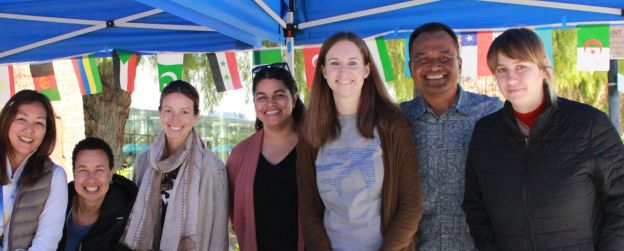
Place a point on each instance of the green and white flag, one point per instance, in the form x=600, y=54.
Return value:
x=380, y=56
x=592, y=52
x=170, y=68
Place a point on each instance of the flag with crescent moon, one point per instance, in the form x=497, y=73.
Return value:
x=592, y=52
x=310, y=59
x=170, y=68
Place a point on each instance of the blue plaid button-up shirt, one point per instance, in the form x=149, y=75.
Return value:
x=441, y=146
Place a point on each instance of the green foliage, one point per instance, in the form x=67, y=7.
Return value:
x=197, y=72
x=300, y=75
x=585, y=87
x=402, y=87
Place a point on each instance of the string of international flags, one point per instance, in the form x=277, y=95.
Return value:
x=593, y=54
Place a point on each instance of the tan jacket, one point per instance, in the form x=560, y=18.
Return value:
x=29, y=203
x=401, y=205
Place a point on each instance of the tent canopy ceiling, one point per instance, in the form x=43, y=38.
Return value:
x=63, y=28
x=45, y=30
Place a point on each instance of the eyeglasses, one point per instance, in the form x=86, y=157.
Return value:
x=259, y=68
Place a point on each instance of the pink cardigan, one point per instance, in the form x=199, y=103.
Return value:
x=241, y=171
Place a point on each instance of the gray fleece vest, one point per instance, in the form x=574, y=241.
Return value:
x=27, y=208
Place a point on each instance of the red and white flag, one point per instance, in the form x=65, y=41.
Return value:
x=224, y=69
x=7, y=83
x=124, y=65
x=484, y=40
x=310, y=59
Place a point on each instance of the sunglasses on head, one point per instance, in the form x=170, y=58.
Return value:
x=259, y=68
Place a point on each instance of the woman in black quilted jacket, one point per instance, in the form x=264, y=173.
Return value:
x=544, y=172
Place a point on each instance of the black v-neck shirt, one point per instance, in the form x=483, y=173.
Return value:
x=275, y=204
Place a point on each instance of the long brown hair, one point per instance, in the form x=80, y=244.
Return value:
x=33, y=170
x=374, y=109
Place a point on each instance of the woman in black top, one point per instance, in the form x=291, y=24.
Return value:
x=261, y=169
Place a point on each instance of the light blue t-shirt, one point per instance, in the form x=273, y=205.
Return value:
x=349, y=176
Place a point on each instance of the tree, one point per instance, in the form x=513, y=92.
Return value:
x=585, y=87
x=105, y=114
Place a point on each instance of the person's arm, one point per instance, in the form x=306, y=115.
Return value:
x=219, y=237
x=403, y=226
x=52, y=218
x=311, y=207
x=476, y=214
x=608, y=153
x=232, y=167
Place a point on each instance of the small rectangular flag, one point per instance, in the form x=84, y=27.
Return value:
x=484, y=40
x=592, y=52
x=616, y=42
x=87, y=74
x=124, y=68
x=7, y=84
x=170, y=67
x=45, y=81
x=310, y=60
x=224, y=68
x=379, y=53
x=545, y=34
x=468, y=53
x=262, y=57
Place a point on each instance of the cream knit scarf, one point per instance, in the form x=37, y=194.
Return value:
x=181, y=217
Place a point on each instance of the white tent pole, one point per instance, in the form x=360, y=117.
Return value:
x=290, y=45
x=49, y=19
x=99, y=26
x=564, y=6
x=53, y=40
x=164, y=26
x=271, y=13
x=363, y=13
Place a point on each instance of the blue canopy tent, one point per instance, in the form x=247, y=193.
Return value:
x=49, y=29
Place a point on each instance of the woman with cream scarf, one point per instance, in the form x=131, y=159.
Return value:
x=182, y=201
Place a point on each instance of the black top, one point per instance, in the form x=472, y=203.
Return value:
x=108, y=228
x=275, y=204
x=559, y=188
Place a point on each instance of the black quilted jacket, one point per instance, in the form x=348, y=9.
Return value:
x=560, y=188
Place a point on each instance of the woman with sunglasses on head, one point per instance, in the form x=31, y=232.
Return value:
x=543, y=172
x=33, y=194
x=261, y=169
x=182, y=198
x=358, y=180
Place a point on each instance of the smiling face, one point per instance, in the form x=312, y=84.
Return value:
x=92, y=175
x=177, y=116
x=521, y=83
x=435, y=64
x=345, y=70
x=273, y=103
x=27, y=130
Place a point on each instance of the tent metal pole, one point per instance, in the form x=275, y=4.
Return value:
x=164, y=26
x=290, y=38
x=614, y=95
x=564, y=6
x=271, y=13
x=99, y=26
x=49, y=19
x=363, y=13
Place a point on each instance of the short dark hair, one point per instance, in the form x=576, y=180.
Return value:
x=287, y=79
x=184, y=88
x=93, y=143
x=432, y=27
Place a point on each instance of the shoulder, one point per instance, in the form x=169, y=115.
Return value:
x=414, y=107
x=59, y=175
x=567, y=106
x=481, y=104
x=127, y=188
x=250, y=141
x=210, y=161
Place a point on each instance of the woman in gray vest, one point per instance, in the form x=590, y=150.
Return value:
x=34, y=190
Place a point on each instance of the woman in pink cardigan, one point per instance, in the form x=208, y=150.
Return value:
x=261, y=169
